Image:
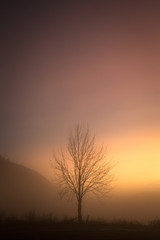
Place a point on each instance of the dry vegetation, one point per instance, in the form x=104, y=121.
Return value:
x=46, y=227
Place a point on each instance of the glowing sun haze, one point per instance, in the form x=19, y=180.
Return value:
x=94, y=63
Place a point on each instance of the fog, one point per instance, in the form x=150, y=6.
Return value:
x=24, y=190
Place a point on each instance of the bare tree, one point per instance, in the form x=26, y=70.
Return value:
x=82, y=168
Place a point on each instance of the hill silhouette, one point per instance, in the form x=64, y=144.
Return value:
x=22, y=190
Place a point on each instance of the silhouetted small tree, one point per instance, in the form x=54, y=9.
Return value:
x=81, y=168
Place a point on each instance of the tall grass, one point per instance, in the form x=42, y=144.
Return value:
x=31, y=218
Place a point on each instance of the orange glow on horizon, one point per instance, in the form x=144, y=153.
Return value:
x=136, y=155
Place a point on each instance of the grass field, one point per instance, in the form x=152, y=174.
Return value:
x=46, y=227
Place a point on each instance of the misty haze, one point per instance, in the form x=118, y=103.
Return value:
x=24, y=190
x=79, y=120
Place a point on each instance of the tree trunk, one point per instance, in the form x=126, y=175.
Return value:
x=79, y=211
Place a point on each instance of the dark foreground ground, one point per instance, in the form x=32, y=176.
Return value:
x=69, y=230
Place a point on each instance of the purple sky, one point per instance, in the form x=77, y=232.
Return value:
x=92, y=62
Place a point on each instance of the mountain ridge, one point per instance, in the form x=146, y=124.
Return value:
x=23, y=189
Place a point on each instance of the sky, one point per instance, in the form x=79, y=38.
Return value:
x=90, y=62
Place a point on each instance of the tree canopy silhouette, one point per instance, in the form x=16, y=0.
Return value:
x=82, y=167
